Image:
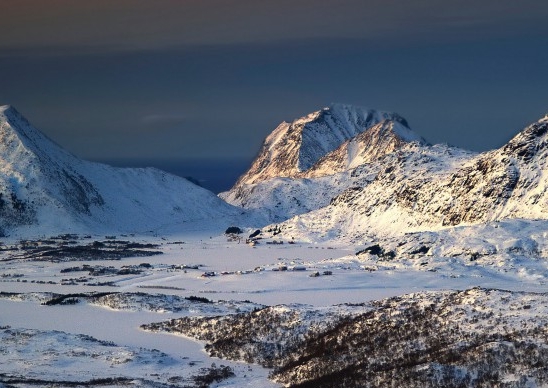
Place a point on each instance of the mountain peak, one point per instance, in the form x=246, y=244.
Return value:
x=381, y=139
x=44, y=188
x=529, y=141
x=4, y=108
x=11, y=116
x=19, y=140
x=341, y=109
x=294, y=148
x=9, y=113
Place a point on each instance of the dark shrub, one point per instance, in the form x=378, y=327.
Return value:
x=233, y=230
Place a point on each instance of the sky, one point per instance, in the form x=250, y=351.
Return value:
x=181, y=83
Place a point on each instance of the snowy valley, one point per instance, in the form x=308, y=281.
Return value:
x=361, y=256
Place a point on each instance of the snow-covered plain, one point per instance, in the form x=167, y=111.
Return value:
x=43, y=342
x=389, y=261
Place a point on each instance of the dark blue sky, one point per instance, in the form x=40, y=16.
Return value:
x=209, y=79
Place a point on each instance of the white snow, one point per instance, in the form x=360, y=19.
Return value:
x=390, y=201
x=242, y=272
x=62, y=193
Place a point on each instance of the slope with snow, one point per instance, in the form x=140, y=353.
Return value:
x=433, y=187
x=366, y=147
x=219, y=290
x=341, y=145
x=44, y=189
x=472, y=338
x=408, y=247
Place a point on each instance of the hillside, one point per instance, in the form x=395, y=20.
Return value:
x=44, y=189
x=472, y=338
x=303, y=164
x=386, y=179
x=407, y=194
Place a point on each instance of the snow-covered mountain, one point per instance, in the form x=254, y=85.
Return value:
x=413, y=191
x=303, y=164
x=44, y=189
x=509, y=182
x=341, y=172
x=293, y=149
x=368, y=146
x=384, y=177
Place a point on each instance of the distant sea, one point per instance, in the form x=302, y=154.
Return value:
x=216, y=175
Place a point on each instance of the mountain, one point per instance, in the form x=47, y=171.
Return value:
x=303, y=164
x=382, y=178
x=509, y=182
x=411, y=194
x=294, y=148
x=45, y=189
x=368, y=146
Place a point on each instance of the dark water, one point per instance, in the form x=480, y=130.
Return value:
x=216, y=175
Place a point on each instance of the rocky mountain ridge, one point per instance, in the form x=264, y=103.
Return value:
x=368, y=146
x=380, y=180
x=340, y=172
x=506, y=183
x=357, y=138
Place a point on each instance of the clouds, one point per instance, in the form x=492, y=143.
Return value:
x=144, y=24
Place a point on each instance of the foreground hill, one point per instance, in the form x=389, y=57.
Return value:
x=472, y=338
x=44, y=189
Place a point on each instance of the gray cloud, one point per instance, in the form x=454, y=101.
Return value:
x=143, y=24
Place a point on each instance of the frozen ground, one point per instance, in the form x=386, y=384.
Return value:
x=208, y=275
